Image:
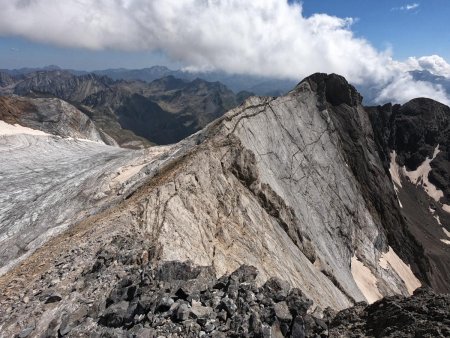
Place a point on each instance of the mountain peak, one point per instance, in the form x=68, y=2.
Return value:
x=333, y=88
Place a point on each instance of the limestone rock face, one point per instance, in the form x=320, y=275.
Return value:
x=293, y=186
x=283, y=188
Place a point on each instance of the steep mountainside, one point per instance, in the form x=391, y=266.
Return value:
x=164, y=111
x=52, y=116
x=414, y=143
x=297, y=186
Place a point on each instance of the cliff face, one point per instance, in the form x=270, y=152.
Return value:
x=293, y=186
x=414, y=143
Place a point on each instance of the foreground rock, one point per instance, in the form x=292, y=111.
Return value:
x=176, y=299
x=425, y=314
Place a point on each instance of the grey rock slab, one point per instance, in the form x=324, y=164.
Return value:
x=200, y=311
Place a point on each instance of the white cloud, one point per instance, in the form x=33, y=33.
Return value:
x=407, y=7
x=410, y=6
x=434, y=64
x=265, y=37
x=404, y=88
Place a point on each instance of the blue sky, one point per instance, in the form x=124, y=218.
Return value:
x=16, y=52
x=422, y=30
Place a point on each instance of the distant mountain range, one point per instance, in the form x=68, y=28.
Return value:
x=132, y=112
x=256, y=84
x=154, y=105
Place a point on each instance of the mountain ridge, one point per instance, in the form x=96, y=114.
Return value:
x=298, y=186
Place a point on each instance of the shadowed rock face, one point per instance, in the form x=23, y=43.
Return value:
x=408, y=136
x=293, y=186
x=425, y=314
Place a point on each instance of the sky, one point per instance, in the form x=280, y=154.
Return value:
x=371, y=43
x=423, y=29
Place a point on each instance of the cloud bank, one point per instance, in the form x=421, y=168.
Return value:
x=265, y=37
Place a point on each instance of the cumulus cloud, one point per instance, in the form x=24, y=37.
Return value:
x=434, y=64
x=404, y=88
x=265, y=37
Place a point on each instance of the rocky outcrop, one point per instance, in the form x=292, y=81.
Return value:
x=413, y=131
x=425, y=314
x=125, y=295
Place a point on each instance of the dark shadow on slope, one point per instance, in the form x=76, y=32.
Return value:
x=147, y=119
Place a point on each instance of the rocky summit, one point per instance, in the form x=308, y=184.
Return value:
x=305, y=215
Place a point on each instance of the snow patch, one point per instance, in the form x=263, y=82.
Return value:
x=437, y=219
x=82, y=140
x=394, y=170
x=390, y=259
x=365, y=280
x=446, y=232
x=15, y=129
x=446, y=208
x=420, y=175
x=445, y=241
x=126, y=173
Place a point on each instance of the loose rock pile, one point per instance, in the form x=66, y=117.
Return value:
x=124, y=295
x=179, y=300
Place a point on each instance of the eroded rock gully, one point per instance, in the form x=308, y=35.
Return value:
x=292, y=186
